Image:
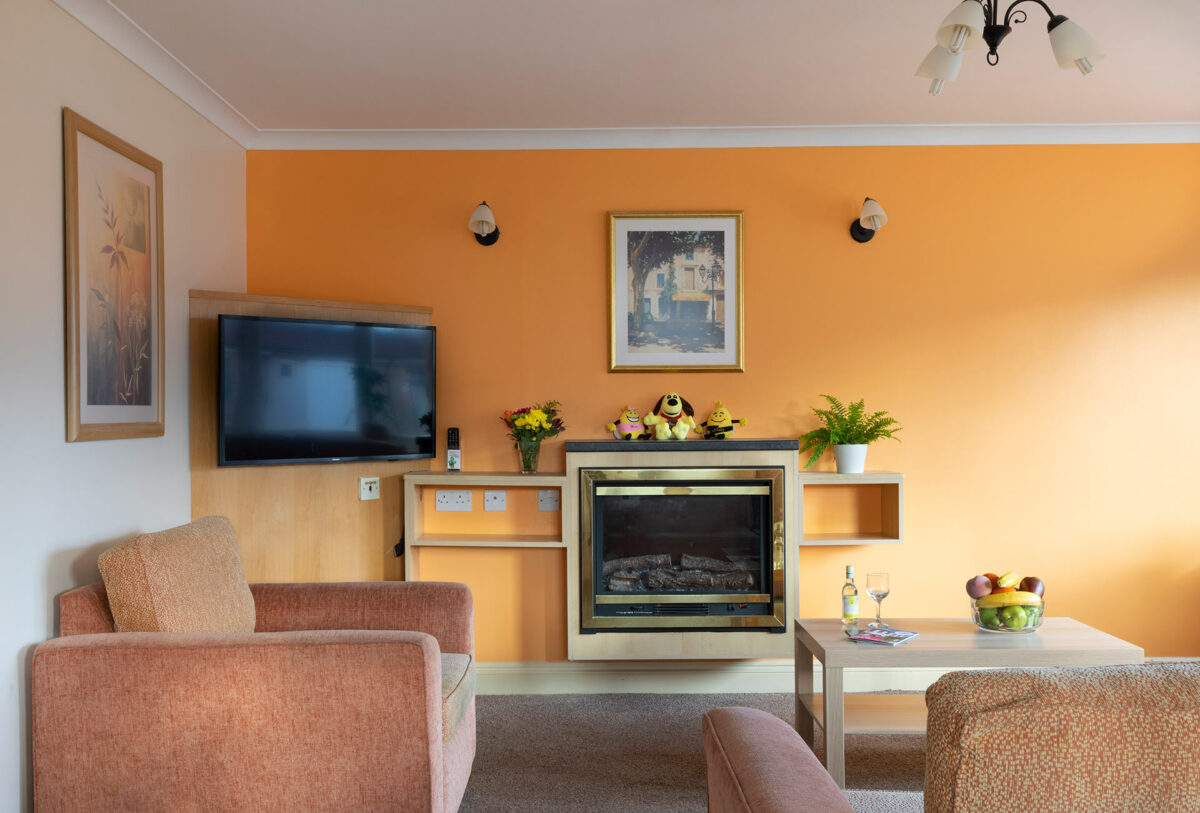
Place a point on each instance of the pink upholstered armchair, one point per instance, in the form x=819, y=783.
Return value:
x=344, y=697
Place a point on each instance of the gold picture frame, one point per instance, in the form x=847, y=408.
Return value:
x=114, y=285
x=675, y=291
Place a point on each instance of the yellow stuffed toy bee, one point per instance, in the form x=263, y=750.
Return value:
x=671, y=417
x=720, y=423
x=628, y=425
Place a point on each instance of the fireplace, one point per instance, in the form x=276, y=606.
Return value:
x=682, y=548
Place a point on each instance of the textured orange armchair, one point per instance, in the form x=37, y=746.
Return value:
x=356, y=697
x=1119, y=739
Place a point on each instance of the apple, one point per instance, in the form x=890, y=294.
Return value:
x=1032, y=584
x=979, y=586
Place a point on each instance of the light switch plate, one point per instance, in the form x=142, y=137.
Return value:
x=368, y=488
x=494, y=500
x=548, y=499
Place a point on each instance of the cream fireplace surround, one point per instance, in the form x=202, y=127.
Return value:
x=698, y=454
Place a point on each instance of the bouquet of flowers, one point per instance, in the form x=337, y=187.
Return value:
x=534, y=423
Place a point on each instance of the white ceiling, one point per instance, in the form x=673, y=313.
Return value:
x=649, y=72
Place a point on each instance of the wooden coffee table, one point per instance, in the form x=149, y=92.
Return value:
x=943, y=642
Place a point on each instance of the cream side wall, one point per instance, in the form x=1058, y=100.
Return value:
x=61, y=503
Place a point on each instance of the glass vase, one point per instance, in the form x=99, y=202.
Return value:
x=528, y=451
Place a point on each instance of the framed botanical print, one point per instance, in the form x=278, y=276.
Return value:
x=114, y=285
x=675, y=291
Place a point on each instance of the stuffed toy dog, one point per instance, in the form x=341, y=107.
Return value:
x=671, y=417
x=628, y=425
x=720, y=423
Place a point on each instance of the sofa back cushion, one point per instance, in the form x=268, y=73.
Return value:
x=185, y=579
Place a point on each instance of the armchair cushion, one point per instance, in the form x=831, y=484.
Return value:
x=458, y=690
x=185, y=579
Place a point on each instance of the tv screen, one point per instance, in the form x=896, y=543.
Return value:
x=311, y=391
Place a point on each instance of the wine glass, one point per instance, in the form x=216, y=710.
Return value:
x=878, y=589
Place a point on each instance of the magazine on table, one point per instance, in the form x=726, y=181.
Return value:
x=885, y=636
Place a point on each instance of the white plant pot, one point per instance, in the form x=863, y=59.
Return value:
x=851, y=457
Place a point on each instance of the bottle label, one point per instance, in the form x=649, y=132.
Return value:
x=849, y=606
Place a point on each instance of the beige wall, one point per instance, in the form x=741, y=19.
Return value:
x=60, y=503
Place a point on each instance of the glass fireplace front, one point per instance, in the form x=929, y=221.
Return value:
x=682, y=549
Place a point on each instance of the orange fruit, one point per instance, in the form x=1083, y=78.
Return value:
x=995, y=580
x=1003, y=589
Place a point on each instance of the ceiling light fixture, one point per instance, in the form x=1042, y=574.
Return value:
x=870, y=220
x=975, y=21
x=483, y=223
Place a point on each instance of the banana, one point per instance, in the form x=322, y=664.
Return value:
x=1006, y=599
x=1009, y=579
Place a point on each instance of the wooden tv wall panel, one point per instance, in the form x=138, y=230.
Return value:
x=295, y=523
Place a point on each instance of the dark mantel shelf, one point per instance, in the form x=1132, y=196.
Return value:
x=699, y=445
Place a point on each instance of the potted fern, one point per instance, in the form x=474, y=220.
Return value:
x=848, y=429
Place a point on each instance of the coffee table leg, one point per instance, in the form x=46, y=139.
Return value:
x=835, y=725
x=804, y=692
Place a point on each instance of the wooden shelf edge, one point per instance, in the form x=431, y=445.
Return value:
x=484, y=478
x=869, y=478
x=433, y=541
x=196, y=293
x=847, y=539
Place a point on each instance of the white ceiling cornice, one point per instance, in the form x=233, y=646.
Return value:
x=857, y=135
x=110, y=25
x=115, y=28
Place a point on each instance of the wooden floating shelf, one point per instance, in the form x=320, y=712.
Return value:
x=416, y=537
x=891, y=508
x=498, y=479
x=488, y=541
x=849, y=539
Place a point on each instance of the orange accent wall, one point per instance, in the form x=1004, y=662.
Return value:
x=1031, y=315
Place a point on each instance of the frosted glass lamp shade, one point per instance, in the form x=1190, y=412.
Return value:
x=962, y=28
x=872, y=216
x=482, y=222
x=1073, y=46
x=870, y=220
x=941, y=66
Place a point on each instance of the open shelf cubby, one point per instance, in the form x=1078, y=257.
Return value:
x=851, y=509
x=475, y=528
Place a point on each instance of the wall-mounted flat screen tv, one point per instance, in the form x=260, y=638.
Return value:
x=311, y=391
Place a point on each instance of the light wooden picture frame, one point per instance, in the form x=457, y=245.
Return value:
x=114, y=285
x=675, y=291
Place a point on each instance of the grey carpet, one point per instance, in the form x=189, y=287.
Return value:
x=627, y=753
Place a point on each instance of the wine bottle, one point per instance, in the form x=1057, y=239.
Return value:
x=849, y=599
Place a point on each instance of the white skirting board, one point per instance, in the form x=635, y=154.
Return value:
x=624, y=677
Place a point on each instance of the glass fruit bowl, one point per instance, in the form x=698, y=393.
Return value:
x=993, y=616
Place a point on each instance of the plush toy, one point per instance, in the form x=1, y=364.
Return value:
x=671, y=417
x=628, y=425
x=720, y=423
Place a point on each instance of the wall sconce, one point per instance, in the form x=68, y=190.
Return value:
x=871, y=220
x=483, y=223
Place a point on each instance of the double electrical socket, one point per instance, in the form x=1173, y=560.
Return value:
x=452, y=499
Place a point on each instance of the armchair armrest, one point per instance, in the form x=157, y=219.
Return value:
x=320, y=720
x=756, y=763
x=442, y=609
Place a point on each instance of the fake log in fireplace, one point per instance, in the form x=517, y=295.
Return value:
x=682, y=549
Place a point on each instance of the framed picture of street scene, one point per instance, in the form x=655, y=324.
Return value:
x=675, y=291
x=114, y=285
